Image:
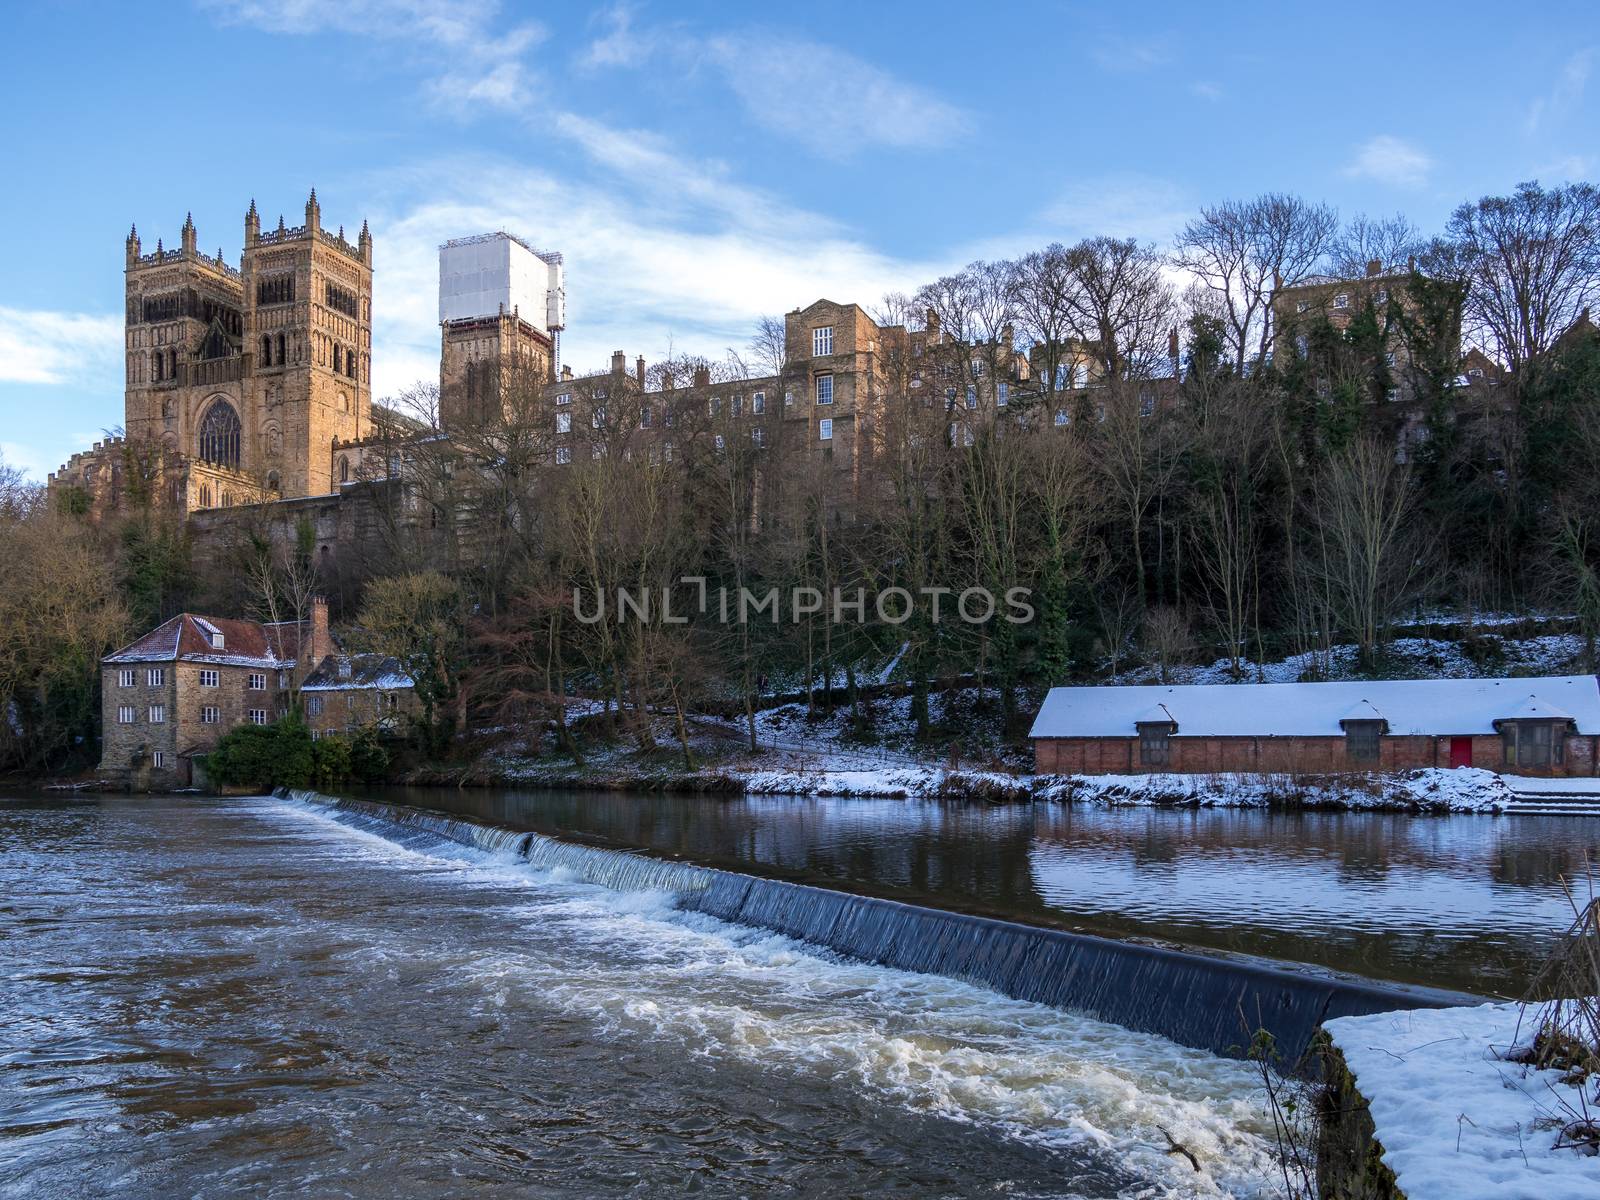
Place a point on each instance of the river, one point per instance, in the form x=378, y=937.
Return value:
x=1465, y=902
x=223, y=997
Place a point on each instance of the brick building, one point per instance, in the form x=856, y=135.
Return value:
x=1535, y=726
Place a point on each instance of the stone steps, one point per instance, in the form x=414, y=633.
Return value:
x=1555, y=803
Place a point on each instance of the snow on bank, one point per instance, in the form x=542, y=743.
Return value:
x=1455, y=1120
x=1432, y=789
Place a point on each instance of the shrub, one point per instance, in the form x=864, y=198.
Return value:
x=330, y=760
x=263, y=756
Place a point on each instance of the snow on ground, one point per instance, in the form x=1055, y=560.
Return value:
x=1430, y=790
x=1427, y=658
x=1456, y=1120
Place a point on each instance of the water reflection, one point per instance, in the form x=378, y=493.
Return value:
x=1467, y=902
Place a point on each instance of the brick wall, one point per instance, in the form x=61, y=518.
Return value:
x=1299, y=755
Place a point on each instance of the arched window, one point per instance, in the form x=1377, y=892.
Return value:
x=281, y=359
x=219, y=435
x=156, y=362
x=344, y=470
x=350, y=363
x=273, y=484
x=172, y=364
x=344, y=402
x=205, y=495
x=338, y=357
x=266, y=350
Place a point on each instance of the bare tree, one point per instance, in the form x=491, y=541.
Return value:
x=1244, y=250
x=1165, y=635
x=1391, y=242
x=1120, y=305
x=1531, y=263
x=1368, y=551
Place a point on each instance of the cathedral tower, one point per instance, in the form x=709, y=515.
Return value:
x=250, y=375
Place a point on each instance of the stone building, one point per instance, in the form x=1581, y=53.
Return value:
x=170, y=696
x=1534, y=726
x=238, y=381
x=174, y=692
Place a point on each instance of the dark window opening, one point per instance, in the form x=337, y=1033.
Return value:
x=1363, y=739
x=1155, y=744
x=1533, y=743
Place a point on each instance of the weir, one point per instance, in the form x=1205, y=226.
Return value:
x=1210, y=1002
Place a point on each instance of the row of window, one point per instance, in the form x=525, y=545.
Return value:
x=255, y=681
x=210, y=714
x=1523, y=743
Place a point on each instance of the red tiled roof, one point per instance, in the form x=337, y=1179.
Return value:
x=187, y=637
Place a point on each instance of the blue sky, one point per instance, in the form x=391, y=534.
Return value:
x=700, y=165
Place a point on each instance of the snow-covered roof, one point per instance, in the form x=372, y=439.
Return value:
x=1409, y=706
x=357, y=672
x=188, y=637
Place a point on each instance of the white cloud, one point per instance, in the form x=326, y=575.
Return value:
x=478, y=62
x=58, y=347
x=621, y=45
x=828, y=99
x=649, y=264
x=1206, y=90
x=1565, y=94
x=1391, y=160
x=1136, y=206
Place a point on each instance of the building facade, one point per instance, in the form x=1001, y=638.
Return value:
x=238, y=381
x=1535, y=726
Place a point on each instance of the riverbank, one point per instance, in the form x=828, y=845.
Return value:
x=821, y=768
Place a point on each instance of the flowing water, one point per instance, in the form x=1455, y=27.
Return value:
x=264, y=997
x=1470, y=903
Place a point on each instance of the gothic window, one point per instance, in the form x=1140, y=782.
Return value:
x=280, y=350
x=344, y=402
x=344, y=470
x=166, y=408
x=273, y=482
x=219, y=435
x=172, y=364
x=338, y=357
x=266, y=350
x=205, y=495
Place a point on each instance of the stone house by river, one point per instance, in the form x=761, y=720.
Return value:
x=171, y=695
x=1534, y=726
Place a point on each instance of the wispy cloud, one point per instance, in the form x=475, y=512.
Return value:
x=1132, y=54
x=1136, y=206
x=1206, y=90
x=1565, y=93
x=58, y=347
x=1390, y=160
x=621, y=44
x=478, y=61
x=827, y=99
x=848, y=104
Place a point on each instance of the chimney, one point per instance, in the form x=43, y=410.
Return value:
x=1374, y=267
x=619, y=363
x=566, y=371
x=1172, y=343
x=1411, y=263
x=321, y=643
x=702, y=377
x=933, y=323
x=1008, y=336
x=638, y=371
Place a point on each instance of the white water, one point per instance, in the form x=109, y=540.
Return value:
x=635, y=967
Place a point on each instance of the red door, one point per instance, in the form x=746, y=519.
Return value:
x=1460, y=752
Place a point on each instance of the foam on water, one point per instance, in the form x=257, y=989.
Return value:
x=635, y=964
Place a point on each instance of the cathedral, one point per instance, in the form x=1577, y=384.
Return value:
x=241, y=384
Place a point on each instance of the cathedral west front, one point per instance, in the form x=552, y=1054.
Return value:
x=241, y=384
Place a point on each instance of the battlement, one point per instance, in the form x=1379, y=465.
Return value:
x=72, y=470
